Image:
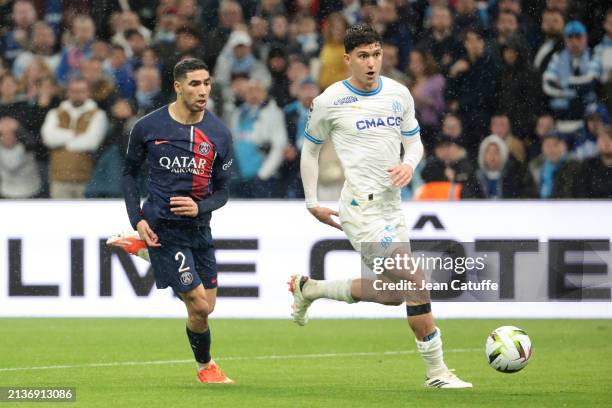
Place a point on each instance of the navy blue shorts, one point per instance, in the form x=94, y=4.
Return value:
x=185, y=259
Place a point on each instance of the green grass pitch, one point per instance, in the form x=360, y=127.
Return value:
x=328, y=363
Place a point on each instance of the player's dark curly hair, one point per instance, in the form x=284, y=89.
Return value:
x=360, y=34
x=187, y=65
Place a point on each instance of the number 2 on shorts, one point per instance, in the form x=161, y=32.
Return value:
x=181, y=256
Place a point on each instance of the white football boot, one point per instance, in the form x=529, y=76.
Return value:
x=300, y=304
x=446, y=379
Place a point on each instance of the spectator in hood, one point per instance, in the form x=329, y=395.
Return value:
x=497, y=175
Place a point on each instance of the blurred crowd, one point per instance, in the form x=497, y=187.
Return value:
x=513, y=97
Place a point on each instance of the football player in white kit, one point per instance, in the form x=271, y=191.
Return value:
x=369, y=119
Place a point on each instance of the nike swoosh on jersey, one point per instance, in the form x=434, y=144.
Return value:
x=158, y=142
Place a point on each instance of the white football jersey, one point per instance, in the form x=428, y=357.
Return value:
x=366, y=129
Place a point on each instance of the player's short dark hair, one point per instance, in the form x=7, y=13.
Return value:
x=187, y=65
x=358, y=35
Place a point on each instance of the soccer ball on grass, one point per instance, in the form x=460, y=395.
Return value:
x=508, y=349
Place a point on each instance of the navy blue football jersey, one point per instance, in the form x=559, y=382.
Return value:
x=183, y=160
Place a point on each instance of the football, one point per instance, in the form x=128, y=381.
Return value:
x=508, y=349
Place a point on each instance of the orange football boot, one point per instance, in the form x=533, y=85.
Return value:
x=131, y=243
x=213, y=375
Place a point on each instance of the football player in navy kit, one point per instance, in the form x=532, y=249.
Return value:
x=188, y=151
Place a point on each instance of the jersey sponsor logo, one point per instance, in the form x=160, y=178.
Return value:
x=203, y=148
x=183, y=164
x=228, y=164
x=390, y=121
x=345, y=100
x=158, y=142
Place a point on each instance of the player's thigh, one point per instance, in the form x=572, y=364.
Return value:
x=174, y=266
x=204, y=257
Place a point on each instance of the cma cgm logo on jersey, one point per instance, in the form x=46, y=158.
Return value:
x=389, y=121
x=183, y=164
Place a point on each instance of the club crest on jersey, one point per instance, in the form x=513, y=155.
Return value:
x=397, y=107
x=186, y=278
x=204, y=148
x=345, y=99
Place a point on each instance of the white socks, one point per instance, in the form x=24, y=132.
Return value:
x=336, y=290
x=431, y=351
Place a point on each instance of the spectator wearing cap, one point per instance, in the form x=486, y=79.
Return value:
x=296, y=116
x=555, y=174
x=79, y=48
x=497, y=175
x=553, y=22
x=569, y=79
x=518, y=83
x=584, y=145
x=237, y=57
x=596, y=175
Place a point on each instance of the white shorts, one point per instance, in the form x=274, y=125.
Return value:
x=373, y=224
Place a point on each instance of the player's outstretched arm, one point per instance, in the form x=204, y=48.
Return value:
x=309, y=168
